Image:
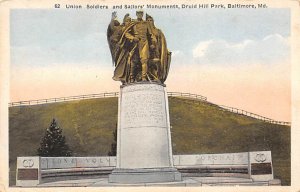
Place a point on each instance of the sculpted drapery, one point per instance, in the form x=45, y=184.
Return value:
x=138, y=49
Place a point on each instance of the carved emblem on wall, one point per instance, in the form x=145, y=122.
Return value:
x=260, y=157
x=28, y=163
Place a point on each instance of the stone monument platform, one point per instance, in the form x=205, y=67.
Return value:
x=243, y=168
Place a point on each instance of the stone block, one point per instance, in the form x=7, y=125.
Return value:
x=28, y=171
x=260, y=166
x=133, y=176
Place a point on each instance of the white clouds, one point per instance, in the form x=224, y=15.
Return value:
x=201, y=48
x=271, y=49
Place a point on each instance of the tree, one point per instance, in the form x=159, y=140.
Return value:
x=53, y=143
x=113, y=149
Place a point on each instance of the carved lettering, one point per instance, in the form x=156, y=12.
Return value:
x=142, y=88
x=143, y=108
x=215, y=157
x=101, y=161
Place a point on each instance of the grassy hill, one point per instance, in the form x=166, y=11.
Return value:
x=197, y=127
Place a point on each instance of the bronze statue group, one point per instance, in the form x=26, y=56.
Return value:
x=139, y=49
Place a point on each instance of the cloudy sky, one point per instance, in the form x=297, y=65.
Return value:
x=239, y=58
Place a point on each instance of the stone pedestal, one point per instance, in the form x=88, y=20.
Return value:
x=28, y=171
x=260, y=166
x=144, y=151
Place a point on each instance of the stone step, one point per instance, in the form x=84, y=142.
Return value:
x=222, y=180
x=187, y=182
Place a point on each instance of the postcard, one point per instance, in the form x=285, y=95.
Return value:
x=176, y=95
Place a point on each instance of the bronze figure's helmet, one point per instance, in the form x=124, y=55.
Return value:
x=140, y=11
x=126, y=18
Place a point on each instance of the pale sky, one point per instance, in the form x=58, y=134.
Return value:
x=239, y=58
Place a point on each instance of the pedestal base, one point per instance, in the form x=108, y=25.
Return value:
x=151, y=175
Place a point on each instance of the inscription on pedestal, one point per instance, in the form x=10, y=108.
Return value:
x=142, y=87
x=143, y=106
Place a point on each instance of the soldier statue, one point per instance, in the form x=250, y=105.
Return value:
x=139, y=50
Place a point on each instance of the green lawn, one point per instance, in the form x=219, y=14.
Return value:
x=197, y=127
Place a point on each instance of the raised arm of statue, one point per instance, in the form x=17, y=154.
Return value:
x=113, y=19
x=114, y=15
